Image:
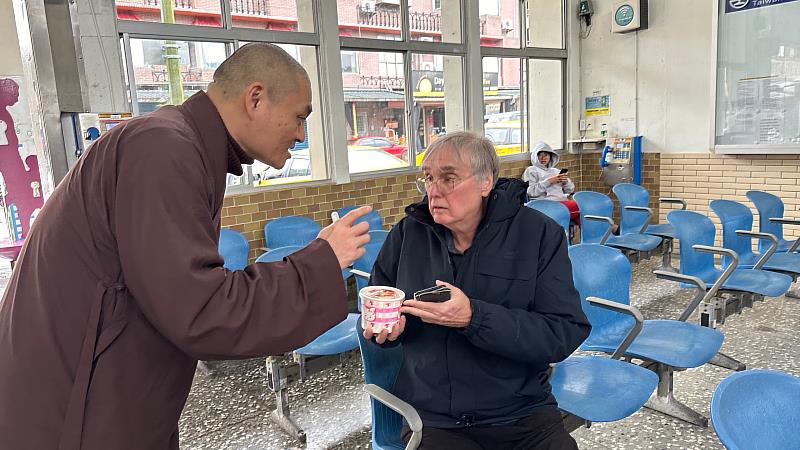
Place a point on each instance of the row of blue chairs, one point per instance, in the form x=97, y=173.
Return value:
x=587, y=388
x=299, y=230
x=739, y=281
x=284, y=236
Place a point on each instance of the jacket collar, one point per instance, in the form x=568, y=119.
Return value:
x=213, y=133
x=504, y=201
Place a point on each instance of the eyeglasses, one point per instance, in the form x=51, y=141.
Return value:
x=445, y=184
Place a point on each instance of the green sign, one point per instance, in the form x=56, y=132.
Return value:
x=624, y=15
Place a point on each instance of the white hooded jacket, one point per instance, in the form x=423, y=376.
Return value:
x=537, y=176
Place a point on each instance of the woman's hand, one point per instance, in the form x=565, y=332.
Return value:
x=380, y=338
x=455, y=313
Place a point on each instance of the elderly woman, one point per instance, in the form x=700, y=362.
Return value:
x=475, y=366
x=547, y=182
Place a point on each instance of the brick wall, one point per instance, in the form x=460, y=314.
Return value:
x=389, y=196
x=696, y=177
x=699, y=178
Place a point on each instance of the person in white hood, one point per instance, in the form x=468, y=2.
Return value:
x=546, y=182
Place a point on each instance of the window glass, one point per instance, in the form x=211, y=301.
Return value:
x=374, y=111
x=427, y=23
x=438, y=98
x=545, y=102
x=504, y=115
x=545, y=23
x=169, y=72
x=282, y=15
x=500, y=23
x=758, y=74
x=369, y=19
x=206, y=13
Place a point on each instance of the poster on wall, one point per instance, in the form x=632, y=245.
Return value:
x=20, y=183
x=762, y=104
x=597, y=105
x=732, y=6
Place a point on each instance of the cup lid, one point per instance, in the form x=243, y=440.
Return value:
x=381, y=293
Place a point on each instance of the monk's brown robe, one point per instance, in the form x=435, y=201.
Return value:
x=119, y=290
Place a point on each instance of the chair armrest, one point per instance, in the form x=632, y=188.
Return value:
x=642, y=209
x=360, y=273
x=674, y=200
x=602, y=219
x=784, y=221
x=681, y=278
x=728, y=270
x=625, y=309
x=400, y=407
x=773, y=246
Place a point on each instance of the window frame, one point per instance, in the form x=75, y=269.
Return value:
x=733, y=149
x=328, y=45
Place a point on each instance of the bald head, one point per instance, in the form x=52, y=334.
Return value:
x=267, y=64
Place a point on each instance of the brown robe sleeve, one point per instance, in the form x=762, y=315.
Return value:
x=167, y=243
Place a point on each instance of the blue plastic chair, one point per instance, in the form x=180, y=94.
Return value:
x=339, y=339
x=757, y=409
x=596, y=223
x=365, y=262
x=671, y=344
x=552, y=209
x=696, y=229
x=635, y=217
x=737, y=220
x=373, y=217
x=591, y=388
x=290, y=230
x=234, y=249
x=770, y=211
x=381, y=365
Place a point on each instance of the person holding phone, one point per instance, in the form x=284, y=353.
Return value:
x=490, y=305
x=547, y=182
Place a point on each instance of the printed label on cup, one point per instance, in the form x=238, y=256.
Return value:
x=380, y=307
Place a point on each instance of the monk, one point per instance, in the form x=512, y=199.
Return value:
x=119, y=289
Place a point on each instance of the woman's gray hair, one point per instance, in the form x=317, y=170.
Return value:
x=473, y=148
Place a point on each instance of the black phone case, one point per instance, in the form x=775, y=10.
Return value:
x=435, y=294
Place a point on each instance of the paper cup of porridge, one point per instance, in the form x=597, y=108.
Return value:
x=380, y=307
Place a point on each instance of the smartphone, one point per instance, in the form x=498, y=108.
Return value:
x=563, y=171
x=436, y=294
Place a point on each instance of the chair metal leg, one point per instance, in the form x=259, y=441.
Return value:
x=794, y=293
x=708, y=313
x=664, y=402
x=276, y=380
x=666, y=256
x=725, y=361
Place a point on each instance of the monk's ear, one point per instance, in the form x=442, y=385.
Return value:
x=255, y=99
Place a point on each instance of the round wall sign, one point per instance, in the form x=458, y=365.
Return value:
x=624, y=15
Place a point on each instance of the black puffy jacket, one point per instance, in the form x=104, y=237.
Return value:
x=526, y=313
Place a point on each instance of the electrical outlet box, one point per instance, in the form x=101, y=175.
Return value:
x=583, y=125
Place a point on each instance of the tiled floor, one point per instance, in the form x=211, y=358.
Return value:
x=230, y=409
